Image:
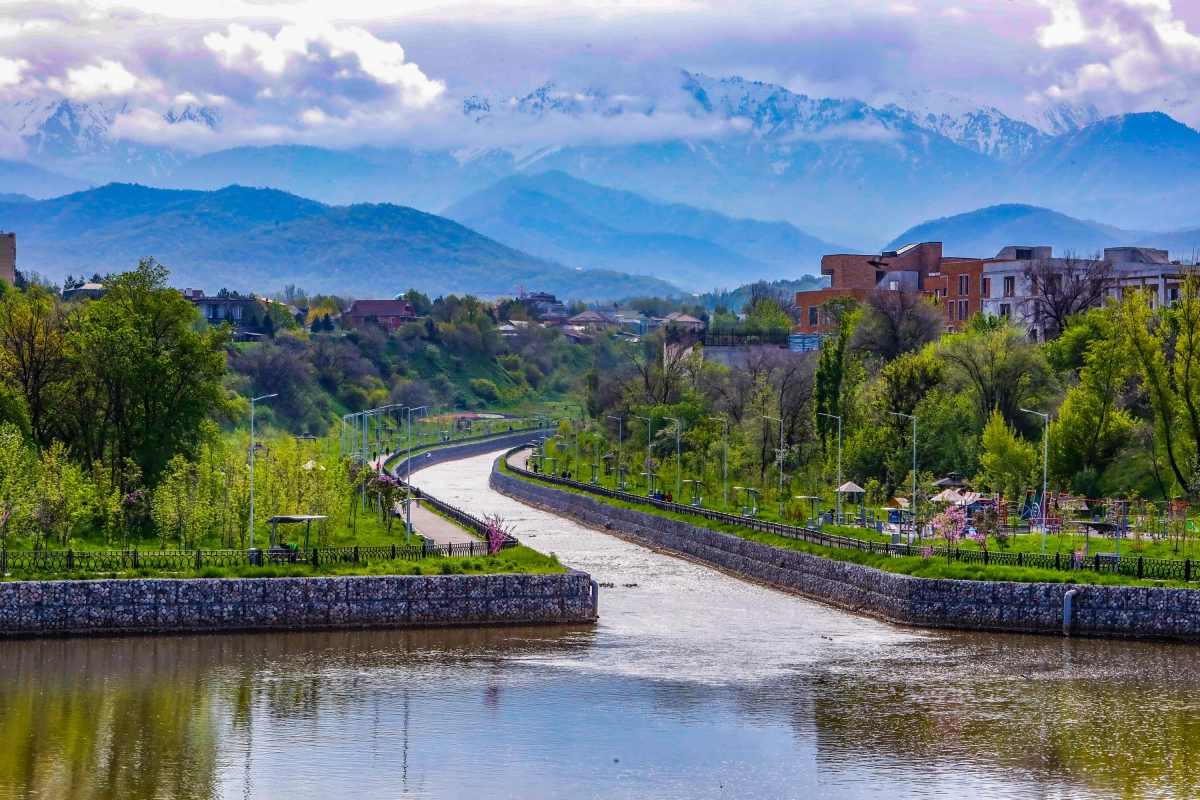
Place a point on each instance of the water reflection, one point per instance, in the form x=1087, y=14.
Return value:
x=694, y=684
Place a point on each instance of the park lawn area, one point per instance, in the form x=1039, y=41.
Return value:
x=910, y=565
x=515, y=560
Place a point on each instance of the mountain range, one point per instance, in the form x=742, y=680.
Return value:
x=984, y=232
x=557, y=217
x=840, y=169
x=259, y=239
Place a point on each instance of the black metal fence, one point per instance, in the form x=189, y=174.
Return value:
x=1133, y=566
x=737, y=338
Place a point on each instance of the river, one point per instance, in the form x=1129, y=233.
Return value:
x=693, y=684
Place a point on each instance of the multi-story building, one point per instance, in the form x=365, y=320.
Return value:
x=963, y=287
x=8, y=258
x=390, y=314
x=957, y=283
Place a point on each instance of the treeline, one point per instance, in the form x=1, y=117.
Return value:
x=1120, y=385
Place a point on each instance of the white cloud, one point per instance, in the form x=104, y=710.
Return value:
x=11, y=69
x=1133, y=46
x=378, y=59
x=106, y=79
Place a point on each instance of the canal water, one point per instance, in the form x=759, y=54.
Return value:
x=693, y=684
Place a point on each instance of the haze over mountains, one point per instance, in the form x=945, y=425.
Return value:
x=839, y=169
x=260, y=239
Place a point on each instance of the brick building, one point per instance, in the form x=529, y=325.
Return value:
x=958, y=283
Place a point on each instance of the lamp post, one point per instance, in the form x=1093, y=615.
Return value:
x=649, y=423
x=678, y=459
x=724, y=462
x=914, y=465
x=775, y=419
x=252, y=402
x=839, y=483
x=1045, y=463
x=408, y=480
x=620, y=437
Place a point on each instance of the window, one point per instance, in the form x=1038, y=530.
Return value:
x=963, y=310
x=208, y=311
x=964, y=285
x=1010, y=286
x=1024, y=254
x=950, y=311
x=985, y=286
x=879, y=275
x=1005, y=309
x=1173, y=294
x=220, y=312
x=812, y=314
x=235, y=312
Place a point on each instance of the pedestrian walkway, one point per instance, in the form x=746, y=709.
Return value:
x=438, y=528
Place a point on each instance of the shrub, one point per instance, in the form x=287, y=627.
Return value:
x=485, y=389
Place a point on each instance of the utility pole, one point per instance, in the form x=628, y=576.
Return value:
x=914, y=465
x=1045, y=465
x=252, y=402
x=839, y=483
x=774, y=419
x=408, y=481
x=724, y=462
x=678, y=459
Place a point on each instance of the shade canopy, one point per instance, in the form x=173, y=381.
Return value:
x=947, y=496
x=851, y=487
x=283, y=518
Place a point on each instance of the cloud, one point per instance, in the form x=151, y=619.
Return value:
x=105, y=79
x=1130, y=47
x=356, y=52
x=11, y=69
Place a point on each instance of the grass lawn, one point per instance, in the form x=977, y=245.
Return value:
x=912, y=565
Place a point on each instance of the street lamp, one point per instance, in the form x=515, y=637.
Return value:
x=620, y=437
x=408, y=481
x=649, y=423
x=252, y=402
x=839, y=483
x=724, y=462
x=678, y=459
x=775, y=419
x=1045, y=463
x=914, y=465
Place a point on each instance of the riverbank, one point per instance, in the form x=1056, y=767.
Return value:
x=166, y=605
x=1124, y=611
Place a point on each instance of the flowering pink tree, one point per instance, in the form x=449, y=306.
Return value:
x=951, y=525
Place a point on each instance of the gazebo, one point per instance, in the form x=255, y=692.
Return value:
x=850, y=487
x=307, y=519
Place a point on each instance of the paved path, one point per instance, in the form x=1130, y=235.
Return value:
x=438, y=528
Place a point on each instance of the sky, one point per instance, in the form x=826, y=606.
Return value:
x=362, y=72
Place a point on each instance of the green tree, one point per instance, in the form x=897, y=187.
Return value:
x=1091, y=429
x=998, y=366
x=909, y=378
x=830, y=372
x=143, y=380
x=1008, y=463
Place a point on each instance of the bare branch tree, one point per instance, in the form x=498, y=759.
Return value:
x=1063, y=287
x=896, y=321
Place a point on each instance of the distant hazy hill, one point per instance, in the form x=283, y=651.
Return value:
x=18, y=177
x=984, y=232
x=584, y=225
x=257, y=239
x=1135, y=170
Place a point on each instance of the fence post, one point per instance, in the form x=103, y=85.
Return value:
x=315, y=559
x=135, y=558
x=1020, y=559
x=199, y=561
x=4, y=561
x=985, y=557
x=393, y=551
x=1097, y=562
x=1139, y=568
x=1187, y=570
x=355, y=554
x=70, y=558
x=1056, y=561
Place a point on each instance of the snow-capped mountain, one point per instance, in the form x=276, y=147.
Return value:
x=61, y=128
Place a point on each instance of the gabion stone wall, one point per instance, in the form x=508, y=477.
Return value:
x=159, y=605
x=1132, y=611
